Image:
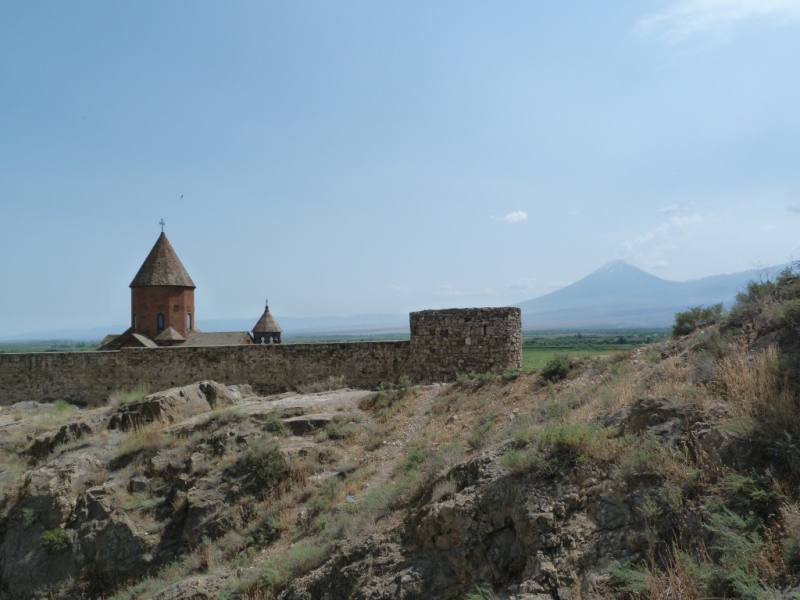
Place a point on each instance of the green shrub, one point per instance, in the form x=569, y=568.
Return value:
x=375, y=437
x=517, y=461
x=62, y=406
x=557, y=408
x=735, y=571
x=415, y=456
x=695, y=318
x=483, y=591
x=55, y=540
x=510, y=374
x=266, y=528
x=263, y=467
x=556, y=368
x=340, y=431
x=28, y=516
x=274, y=424
x=630, y=578
x=326, y=495
x=751, y=492
x=481, y=432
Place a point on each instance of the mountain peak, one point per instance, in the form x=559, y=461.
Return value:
x=614, y=265
x=620, y=270
x=619, y=294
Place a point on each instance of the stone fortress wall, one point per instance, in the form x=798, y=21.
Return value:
x=444, y=344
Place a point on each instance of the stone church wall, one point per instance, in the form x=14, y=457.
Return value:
x=443, y=345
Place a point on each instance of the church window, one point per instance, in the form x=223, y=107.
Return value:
x=160, y=321
x=189, y=321
x=176, y=308
x=133, y=321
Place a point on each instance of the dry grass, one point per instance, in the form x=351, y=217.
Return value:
x=121, y=397
x=754, y=386
x=675, y=581
x=144, y=438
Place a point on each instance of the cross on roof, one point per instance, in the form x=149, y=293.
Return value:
x=161, y=222
x=267, y=303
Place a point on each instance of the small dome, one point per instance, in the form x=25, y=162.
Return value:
x=267, y=324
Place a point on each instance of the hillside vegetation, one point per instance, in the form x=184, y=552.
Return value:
x=666, y=472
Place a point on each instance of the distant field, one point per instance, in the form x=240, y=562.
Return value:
x=539, y=347
x=47, y=346
x=323, y=339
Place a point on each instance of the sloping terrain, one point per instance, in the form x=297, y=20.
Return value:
x=668, y=472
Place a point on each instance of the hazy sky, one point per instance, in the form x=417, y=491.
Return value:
x=380, y=157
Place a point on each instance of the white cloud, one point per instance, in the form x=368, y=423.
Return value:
x=649, y=250
x=795, y=208
x=398, y=288
x=514, y=217
x=688, y=18
x=522, y=285
x=673, y=209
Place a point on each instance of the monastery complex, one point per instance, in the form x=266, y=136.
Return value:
x=163, y=348
x=163, y=314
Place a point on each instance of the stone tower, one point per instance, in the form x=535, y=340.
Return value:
x=162, y=294
x=267, y=330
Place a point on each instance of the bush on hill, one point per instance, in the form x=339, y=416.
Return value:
x=556, y=368
x=769, y=305
x=696, y=318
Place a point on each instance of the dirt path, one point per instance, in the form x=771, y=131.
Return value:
x=388, y=454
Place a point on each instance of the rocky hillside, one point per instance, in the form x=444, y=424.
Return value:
x=669, y=472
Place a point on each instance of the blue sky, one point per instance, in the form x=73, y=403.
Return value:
x=378, y=157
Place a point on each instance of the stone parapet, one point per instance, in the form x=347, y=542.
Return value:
x=87, y=378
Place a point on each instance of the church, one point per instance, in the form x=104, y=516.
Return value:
x=163, y=314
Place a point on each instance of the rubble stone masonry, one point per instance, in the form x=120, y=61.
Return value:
x=444, y=344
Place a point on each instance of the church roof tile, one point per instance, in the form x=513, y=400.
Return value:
x=267, y=324
x=162, y=267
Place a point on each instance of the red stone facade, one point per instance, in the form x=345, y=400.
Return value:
x=176, y=304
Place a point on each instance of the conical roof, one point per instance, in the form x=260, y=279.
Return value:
x=162, y=267
x=267, y=323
